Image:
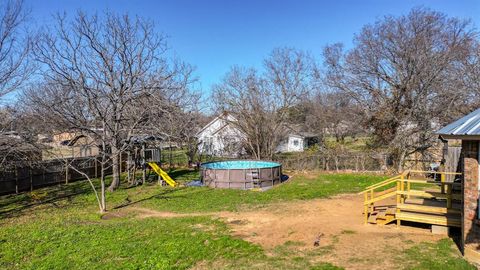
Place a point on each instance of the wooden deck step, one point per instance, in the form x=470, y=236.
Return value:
x=373, y=218
x=381, y=215
x=444, y=220
x=432, y=202
x=438, y=189
x=391, y=211
x=383, y=207
x=427, y=209
x=432, y=182
x=388, y=219
x=428, y=194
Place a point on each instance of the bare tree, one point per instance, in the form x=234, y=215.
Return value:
x=260, y=104
x=397, y=70
x=102, y=78
x=109, y=66
x=468, y=89
x=329, y=113
x=14, y=46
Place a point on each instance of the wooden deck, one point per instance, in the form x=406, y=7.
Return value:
x=415, y=198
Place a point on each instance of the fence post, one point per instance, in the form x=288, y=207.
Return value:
x=95, y=165
x=66, y=173
x=120, y=164
x=31, y=177
x=16, y=179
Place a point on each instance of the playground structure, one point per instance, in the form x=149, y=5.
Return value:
x=141, y=157
x=161, y=173
x=241, y=174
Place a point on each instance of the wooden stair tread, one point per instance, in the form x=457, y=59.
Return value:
x=373, y=218
x=384, y=214
x=427, y=209
x=428, y=194
x=391, y=211
x=381, y=215
x=387, y=220
x=431, y=202
x=438, y=189
x=444, y=220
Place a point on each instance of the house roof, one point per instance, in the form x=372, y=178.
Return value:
x=467, y=126
x=144, y=138
x=222, y=116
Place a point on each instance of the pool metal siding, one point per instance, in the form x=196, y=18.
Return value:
x=244, y=178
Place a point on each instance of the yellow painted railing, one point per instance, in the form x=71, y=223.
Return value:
x=400, y=186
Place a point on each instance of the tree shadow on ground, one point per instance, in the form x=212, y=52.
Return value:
x=184, y=175
x=164, y=194
x=16, y=204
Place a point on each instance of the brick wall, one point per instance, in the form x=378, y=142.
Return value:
x=471, y=221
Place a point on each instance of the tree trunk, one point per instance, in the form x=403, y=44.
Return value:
x=103, y=203
x=400, y=161
x=115, y=169
x=170, y=154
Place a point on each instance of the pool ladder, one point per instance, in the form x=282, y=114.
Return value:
x=255, y=175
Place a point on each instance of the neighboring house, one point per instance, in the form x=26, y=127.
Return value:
x=83, y=146
x=221, y=138
x=71, y=145
x=59, y=138
x=297, y=142
x=467, y=129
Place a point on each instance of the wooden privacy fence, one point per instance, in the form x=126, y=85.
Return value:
x=46, y=173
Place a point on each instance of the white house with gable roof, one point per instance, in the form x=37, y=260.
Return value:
x=222, y=139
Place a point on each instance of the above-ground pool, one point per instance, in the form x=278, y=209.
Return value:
x=241, y=174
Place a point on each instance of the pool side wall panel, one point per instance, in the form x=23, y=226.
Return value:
x=241, y=178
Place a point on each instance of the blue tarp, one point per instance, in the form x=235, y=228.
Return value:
x=195, y=183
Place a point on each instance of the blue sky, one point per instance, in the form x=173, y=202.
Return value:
x=214, y=35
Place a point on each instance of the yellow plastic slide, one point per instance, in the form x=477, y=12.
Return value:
x=162, y=173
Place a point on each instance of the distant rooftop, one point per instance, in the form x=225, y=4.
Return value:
x=468, y=125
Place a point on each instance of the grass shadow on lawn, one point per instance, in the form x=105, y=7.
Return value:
x=165, y=194
x=15, y=204
x=184, y=174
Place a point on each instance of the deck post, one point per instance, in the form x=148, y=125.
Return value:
x=449, y=196
x=442, y=180
x=398, y=200
x=365, y=208
x=398, y=192
x=408, y=185
x=402, y=186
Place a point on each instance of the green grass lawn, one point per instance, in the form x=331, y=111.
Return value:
x=62, y=229
x=195, y=199
x=434, y=256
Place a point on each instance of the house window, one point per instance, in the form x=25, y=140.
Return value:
x=209, y=145
x=296, y=142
